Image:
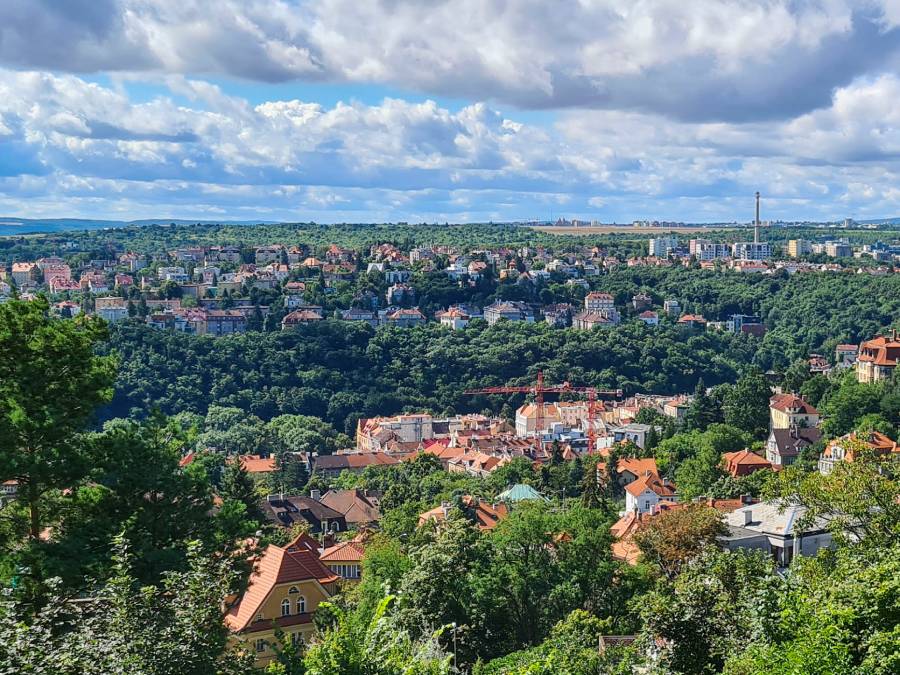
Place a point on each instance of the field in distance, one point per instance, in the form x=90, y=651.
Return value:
x=627, y=229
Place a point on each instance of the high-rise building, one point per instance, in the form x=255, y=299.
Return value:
x=661, y=247
x=798, y=248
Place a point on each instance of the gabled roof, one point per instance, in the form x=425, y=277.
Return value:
x=347, y=551
x=793, y=404
x=638, y=467
x=257, y=464
x=653, y=483
x=276, y=566
x=486, y=515
x=356, y=505
x=743, y=460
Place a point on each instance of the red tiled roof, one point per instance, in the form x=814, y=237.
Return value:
x=486, y=515
x=881, y=351
x=786, y=402
x=352, y=551
x=743, y=462
x=639, y=467
x=652, y=483
x=276, y=566
x=257, y=464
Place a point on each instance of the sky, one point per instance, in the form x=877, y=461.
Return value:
x=450, y=110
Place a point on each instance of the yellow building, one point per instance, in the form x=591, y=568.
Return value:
x=787, y=411
x=286, y=587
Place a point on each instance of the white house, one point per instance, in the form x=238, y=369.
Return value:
x=643, y=494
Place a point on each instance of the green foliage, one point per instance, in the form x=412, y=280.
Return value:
x=51, y=384
x=173, y=628
x=673, y=538
x=746, y=404
x=376, y=646
x=719, y=603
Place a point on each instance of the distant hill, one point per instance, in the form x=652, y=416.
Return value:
x=13, y=226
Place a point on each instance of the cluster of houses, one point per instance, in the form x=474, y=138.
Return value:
x=290, y=581
x=206, y=290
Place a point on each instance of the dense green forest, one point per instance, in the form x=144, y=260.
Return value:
x=340, y=371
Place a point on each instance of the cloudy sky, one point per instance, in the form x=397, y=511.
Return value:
x=455, y=110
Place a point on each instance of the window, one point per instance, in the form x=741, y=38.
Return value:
x=296, y=639
x=259, y=616
x=260, y=645
x=301, y=605
x=285, y=607
x=293, y=589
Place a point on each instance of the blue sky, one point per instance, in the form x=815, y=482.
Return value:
x=449, y=110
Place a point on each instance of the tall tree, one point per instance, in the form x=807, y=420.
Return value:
x=703, y=410
x=747, y=403
x=51, y=384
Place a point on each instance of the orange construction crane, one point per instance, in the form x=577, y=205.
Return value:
x=538, y=390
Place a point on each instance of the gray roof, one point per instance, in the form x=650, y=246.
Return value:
x=772, y=518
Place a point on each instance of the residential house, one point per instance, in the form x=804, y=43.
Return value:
x=692, y=322
x=331, y=466
x=591, y=320
x=745, y=323
x=641, y=301
x=225, y=322
x=400, y=293
x=788, y=410
x=596, y=302
x=24, y=273
x=510, y=310
x=743, y=463
x=785, y=445
x=634, y=432
x=877, y=358
x=650, y=318
x=645, y=493
x=268, y=254
x=257, y=465
x=845, y=449
x=845, y=355
x=285, y=588
x=300, y=317
x=355, y=314
x=454, y=318
x=486, y=516
x=359, y=507
x=672, y=307
x=772, y=527
x=345, y=559
x=111, y=309
x=406, y=318
x=559, y=315
x=291, y=510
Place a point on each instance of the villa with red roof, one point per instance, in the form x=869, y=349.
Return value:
x=743, y=463
x=647, y=492
x=285, y=588
x=877, y=358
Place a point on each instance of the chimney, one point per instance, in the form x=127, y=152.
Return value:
x=756, y=222
x=315, y=495
x=748, y=517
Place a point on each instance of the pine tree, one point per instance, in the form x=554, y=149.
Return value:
x=703, y=411
x=238, y=486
